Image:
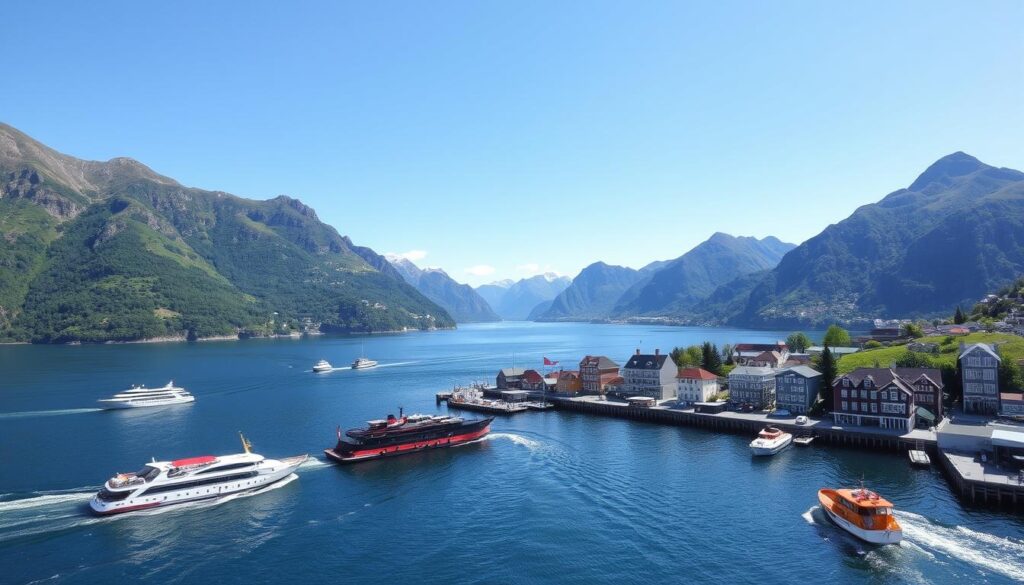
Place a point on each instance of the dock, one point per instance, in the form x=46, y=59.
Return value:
x=490, y=406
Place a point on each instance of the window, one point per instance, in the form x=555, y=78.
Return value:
x=844, y=392
x=845, y=407
x=874, y=395
x=874, y=407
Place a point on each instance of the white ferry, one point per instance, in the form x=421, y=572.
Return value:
x=322, y=366
x=164, y=483
x=770, y=441
x=363, y=363
x=141, y=397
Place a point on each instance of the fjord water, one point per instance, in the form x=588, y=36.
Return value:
x=549, y=497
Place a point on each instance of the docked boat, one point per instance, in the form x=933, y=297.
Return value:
x=165, y=483
x=140, y=397
x=770, y=441
x=322, y=366
x=862, y=513
x=362, y=363
x=406, y=434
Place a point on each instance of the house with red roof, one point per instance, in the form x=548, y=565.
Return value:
x=695, y=385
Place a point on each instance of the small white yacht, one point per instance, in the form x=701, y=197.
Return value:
x=164, y=483
x=363, y=363
x=322, y=366
x=770, y=441
x=140, y=397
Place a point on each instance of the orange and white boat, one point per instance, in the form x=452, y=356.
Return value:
x=862, y=513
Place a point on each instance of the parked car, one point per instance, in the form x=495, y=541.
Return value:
x=801, y=420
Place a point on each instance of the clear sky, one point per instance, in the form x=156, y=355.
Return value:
x=494, y=139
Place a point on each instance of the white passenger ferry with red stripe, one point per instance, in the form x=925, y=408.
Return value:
x=406, y=434
x=164, y=483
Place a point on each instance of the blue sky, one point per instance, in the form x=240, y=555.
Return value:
x=498, y=139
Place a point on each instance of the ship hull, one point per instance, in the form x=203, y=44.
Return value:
x=348, y=453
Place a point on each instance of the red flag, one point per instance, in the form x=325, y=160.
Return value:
x=548, y=362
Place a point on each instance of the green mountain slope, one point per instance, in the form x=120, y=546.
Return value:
x=954, y=234
x=96, y=251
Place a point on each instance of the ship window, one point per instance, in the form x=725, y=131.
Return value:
x=148, y=473
x=226, y=467
x=187, y=485
x=106, y=495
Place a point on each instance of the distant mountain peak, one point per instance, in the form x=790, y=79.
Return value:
x=948, y=167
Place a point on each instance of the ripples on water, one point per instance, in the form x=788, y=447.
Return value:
x=545, y=498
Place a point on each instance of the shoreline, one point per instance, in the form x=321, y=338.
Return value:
x=236, y=337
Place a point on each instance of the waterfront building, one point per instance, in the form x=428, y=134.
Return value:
x=745, y=353
x=534, y=380
x=767, y=359
x=596, y=373
x=752, y=386
x=568, y=381
x=509, y=378
x=979, y=367
x=695, y=385
x=888, y=397
x=797, y=388
x=652, y=375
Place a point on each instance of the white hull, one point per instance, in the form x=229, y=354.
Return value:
x=320, y=370
x=271, y=471
x=761, y=447
x=872, y=536
x=364, y=365
x=121, y=404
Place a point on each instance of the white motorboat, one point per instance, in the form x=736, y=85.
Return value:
x=164, y=483
x=141, y=397
x=770, y=441
x=322, y=366
x=362, y=363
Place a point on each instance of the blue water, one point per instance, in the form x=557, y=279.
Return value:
x=549, y=497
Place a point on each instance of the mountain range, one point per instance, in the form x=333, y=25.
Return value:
x=955, y=233
x=521, y=300
x=668, y=288
x=113, y=251
x=459, y=300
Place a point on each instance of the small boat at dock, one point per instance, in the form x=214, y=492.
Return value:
x=803, y=441
x=919, y=458
x=770, y=441
x=862, y=513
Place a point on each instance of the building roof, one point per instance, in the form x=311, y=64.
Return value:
x=1005, y=438
x=695, y=374
x=751, y=371
x=760, y=346
x=838, y=350
x=532, y=376
x=902, y=377
x=646, y=361
x=568, y=374
x=512, y=371
x=611, y=378
x=805, y=371
x=768, y=356
x=600, y=361
x=983, y=347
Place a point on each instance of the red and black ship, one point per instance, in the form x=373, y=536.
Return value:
x=406, y=434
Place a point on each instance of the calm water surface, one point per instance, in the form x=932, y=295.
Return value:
x=548, y=498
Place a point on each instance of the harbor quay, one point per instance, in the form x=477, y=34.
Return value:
x=974, y=477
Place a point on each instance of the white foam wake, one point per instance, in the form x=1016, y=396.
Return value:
x=1004, y=556
x=44, y=500
x=808, y=516
x=35, y=413
x=517, y=439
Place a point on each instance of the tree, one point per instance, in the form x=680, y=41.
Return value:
x=912, y=359
x=827, y=367
x=959, y=317
x=710, y=359
x=798, y=342
x=689, y=357
x=913, y=330
x=872, y=344
x=1009, y=373
x=836, y=336
x=727, y=354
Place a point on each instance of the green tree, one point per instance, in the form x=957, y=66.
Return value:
x=688, y=357
x=827, y=367
x=798, y=342
x=1009, y=373
x=911, y=359
x=710, y=358
x=872, y=344
x=836, y=336
x=959, y=317
x=727, y=354
x=913, y=330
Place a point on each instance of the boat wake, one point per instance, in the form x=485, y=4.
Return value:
x=392, y=365
x=314, y=463
x=995, y=554
x=35, y=413
x=530, y=444
x=809, y=515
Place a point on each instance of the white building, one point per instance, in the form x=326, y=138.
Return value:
x=695, y=385
x=652, y=375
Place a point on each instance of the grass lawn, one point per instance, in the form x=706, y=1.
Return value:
x=1012, y=347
